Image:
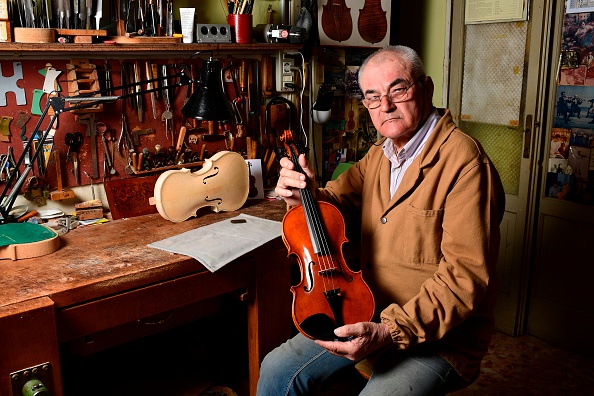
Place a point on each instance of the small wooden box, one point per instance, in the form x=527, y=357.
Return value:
x=89, y=214
x=34, y=35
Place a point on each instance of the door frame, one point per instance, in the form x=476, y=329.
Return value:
x=519, y=224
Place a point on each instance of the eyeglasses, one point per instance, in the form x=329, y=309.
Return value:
x=396, y=95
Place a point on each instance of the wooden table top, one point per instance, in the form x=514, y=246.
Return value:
x=96, y=261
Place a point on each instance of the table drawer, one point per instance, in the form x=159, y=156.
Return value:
x=112, y=311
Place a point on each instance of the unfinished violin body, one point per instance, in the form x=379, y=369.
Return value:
x=222, y=183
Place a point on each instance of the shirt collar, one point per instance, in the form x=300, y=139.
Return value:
x=413, y=147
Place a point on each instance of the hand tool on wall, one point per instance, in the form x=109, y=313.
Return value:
x=267, y=77
x=73, y=141
x=60, y=193
x=152, y=19
x=167, y=115
x=89, y=121
x=108, y=84
x=131, y=14
x=136, y=132
x=82, y=13
x=155, y=75
x=68, y=13
x=92, y=187
x=124, y=142
x=5, y=128
x=180, y=143
x=150, y=86
x=88, y=10
x=142, y=29
x=61, y=14
x=102, y=129
x=8, y=166
x=138, y=97
x=75, y=13
x=98, y=13
x=169, y=22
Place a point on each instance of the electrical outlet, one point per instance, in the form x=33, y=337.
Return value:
x=285, y=74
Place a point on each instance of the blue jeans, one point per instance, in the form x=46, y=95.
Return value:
x=299, y=366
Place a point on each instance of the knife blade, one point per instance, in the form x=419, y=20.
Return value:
x=82, y=14
x=98, y=13
x=75, y=23
x=89, y=9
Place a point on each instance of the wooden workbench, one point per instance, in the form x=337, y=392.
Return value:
x=105, y=277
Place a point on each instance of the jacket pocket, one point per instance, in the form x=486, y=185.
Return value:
x=422, y=234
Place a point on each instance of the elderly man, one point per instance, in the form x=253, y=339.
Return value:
x=428, y=202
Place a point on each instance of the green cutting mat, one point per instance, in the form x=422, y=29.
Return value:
x=18, y=233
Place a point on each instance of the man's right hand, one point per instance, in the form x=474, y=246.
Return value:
x=290, y=181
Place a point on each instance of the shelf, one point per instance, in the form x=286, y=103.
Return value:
x=123, y=51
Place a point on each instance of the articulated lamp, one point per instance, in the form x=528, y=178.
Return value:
x=209, y=102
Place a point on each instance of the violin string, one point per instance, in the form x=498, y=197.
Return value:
x=324, y=257
x=309, y=207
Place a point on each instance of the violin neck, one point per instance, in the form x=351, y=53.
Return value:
x=314, y=223
x=313, y=220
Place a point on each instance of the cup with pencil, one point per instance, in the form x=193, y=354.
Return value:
x=240, y=20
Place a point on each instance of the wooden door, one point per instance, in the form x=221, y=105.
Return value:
x=561, y=307
x=496, y=95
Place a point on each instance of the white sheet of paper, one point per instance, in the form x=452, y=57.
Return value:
x=216, y=245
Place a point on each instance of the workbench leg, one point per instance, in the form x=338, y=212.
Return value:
x=269, y=311
x=28, y=339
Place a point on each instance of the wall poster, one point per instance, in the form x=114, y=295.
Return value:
x=571, y=152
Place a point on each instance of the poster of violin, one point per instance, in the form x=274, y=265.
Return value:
x=354, y=23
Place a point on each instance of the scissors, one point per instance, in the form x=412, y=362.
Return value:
x=73, y=141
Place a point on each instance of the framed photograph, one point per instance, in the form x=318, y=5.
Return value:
x=256, y=190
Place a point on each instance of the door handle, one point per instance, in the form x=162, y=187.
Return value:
x=527, y=136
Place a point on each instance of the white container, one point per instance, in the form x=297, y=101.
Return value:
x=186, y=16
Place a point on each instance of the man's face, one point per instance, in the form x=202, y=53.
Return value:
x=397, y=121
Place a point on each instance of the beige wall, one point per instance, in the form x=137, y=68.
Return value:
x=423, y=26
x=214, y=11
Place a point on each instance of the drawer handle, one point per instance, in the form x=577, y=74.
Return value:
x=155, y=320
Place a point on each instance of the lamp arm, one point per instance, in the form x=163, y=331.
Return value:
x=58, y=104
x=6, y=204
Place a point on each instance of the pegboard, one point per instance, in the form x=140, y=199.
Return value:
x=32, y=83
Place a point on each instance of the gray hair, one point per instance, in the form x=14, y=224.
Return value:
x=406, y=53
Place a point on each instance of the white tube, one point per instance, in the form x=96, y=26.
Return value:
x=186, y=15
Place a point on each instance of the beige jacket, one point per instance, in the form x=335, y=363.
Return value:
x=429, y=254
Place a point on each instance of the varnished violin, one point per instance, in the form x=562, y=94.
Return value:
x=336, y=20
x=329, y=293
x=372, y=22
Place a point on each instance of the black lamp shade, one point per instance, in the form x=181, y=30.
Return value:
x=209, y=102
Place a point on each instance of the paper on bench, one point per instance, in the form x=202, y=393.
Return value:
x=216, y=245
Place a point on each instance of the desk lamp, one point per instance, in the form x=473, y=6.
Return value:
x=209, y=102
x=58, y=104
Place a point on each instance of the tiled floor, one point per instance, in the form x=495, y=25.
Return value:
x=520, y=366
x=525, y=365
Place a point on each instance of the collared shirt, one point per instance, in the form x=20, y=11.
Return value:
x=402, y=159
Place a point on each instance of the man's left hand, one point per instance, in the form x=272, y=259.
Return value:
x=364, y=338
